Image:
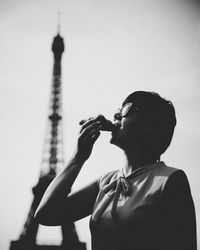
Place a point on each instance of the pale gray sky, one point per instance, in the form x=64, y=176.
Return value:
x=112, y=49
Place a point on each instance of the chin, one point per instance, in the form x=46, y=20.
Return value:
x=115, y=141
x=112, y=141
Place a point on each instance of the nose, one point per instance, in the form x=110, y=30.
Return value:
x=117, y=116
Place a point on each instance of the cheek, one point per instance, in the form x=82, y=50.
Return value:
x=133, y=125
x=133, y=129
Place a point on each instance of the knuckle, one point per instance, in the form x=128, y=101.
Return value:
x=100, y=117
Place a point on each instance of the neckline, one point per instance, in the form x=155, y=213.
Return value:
x=142, y=169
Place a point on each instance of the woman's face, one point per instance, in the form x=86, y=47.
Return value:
x=130, y=133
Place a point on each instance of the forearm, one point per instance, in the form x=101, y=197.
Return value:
x=54, y=204
x=54, y=197
x=62, y=184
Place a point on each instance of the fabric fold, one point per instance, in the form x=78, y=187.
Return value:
x=121, y=185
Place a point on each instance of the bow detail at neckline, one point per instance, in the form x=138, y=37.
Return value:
x=119, y=185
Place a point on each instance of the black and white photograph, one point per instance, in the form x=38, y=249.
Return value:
x=100, y=124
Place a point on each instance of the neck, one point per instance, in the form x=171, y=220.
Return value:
x=136, y=159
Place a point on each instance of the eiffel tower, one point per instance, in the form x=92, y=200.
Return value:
x=53, y=158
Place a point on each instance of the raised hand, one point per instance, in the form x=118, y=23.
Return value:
x=106, y=124
x=89, y=133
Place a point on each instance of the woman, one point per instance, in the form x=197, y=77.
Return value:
x=146, y=205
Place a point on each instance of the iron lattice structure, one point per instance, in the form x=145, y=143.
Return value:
x=53, y=157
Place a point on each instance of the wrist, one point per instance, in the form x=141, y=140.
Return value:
x=79, y=159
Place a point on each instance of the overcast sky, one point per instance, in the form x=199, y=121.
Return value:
x=112, y=48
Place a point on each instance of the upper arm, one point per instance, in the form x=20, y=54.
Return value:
x=179, y=211
x=80, y=204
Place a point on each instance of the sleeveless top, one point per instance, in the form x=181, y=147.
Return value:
x=128, y=212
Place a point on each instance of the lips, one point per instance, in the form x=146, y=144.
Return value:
x=117, y=125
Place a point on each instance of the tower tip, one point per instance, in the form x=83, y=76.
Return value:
x=58, y=21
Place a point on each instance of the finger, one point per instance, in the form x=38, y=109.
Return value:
x=90, y=125
x=103, y=120
x=100, y=118
x=82, y=122
x=92, y=119
x=90, y=131
x=87, y=122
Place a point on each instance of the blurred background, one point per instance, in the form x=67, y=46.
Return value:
x=112, y=48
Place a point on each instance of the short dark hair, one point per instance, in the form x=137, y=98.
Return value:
x=159, y=114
